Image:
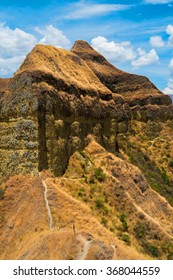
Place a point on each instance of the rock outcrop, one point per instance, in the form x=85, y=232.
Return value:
x=145, y=100
x=52, y=103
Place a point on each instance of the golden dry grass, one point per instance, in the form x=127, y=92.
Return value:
x=4, y=84
x=64, y=65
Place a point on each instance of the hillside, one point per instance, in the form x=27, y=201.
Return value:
x=86, y=160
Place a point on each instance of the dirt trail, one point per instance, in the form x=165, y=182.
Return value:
x=86, y=246
x=47, y=203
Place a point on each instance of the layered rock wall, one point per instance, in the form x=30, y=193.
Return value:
x=46, y=115
x=58, y=98
x=18, y=131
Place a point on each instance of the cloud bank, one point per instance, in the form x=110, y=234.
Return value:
x=112, y=50
x=15, y=44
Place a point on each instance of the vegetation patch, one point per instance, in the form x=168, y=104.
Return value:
x=124, y=222
x=99, y=174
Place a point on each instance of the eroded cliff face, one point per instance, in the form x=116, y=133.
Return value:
x=18, y=129
x=51, y=106
x=58, y=98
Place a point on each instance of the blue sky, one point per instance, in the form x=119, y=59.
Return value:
x=136, y=36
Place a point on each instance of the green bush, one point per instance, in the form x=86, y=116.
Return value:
x=152, y=250
x=99, y=174
x=165, y=176
x=167, y=248
x=140, y=230
x=99, y=201
x=104, y=221
x=170, y=256
x=106, y=210
x=170, y=164
x=81, y=191
x=126, y=238
x=124, y=222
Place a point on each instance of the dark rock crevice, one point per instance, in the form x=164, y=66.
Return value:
x=42, y=149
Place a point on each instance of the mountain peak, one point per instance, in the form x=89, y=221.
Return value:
x=81, y=45
x=136, y=89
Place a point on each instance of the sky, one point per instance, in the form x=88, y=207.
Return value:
x=135, y=36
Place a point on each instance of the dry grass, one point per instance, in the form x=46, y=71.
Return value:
x=4, y=84
x=84, y=203
x=62, y=65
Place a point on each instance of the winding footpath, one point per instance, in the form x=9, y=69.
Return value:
x=86, y=246
x=47, y=202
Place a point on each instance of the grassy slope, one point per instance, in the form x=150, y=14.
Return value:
x=150, y=147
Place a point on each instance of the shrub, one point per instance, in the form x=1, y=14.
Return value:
x=99, y=174
x=99, y=201
x=170, y=164
x=170, y=256
x=140, y=230
x=112, y=229
x=151, y=250
x=165, y=176
x=126, y=238
x=167, y=248
x=106, y=210
x=104, y=221
x=124, y=222
x=81, y=192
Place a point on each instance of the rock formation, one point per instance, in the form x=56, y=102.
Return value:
x=57, y=98
x=52, y=103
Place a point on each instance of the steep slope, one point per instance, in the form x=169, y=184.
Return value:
x=150, y=147
x=121, y=198
x=25, y=231
x=52, y=103
x=88, y=220
x=145, y=100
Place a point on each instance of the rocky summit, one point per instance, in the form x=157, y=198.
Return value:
x=86, y=160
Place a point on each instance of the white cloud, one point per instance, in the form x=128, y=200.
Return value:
x=171, y=66
x=113, y=51
x=156, y=41
x=53, y=36
x=169, y=88
x=145, y=58
x=158, y=1
x=16, y=44
x=82, y=10
x=169, y=30
x=10, y=65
